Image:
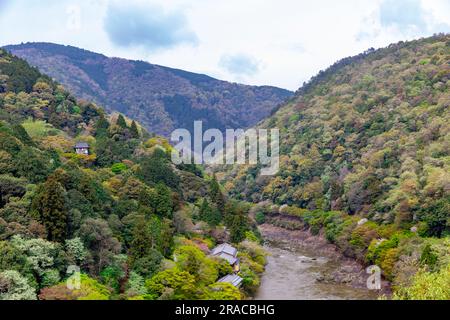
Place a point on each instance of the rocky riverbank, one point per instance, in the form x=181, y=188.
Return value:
x=342, y=270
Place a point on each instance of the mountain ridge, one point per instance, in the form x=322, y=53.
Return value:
x=161, y=98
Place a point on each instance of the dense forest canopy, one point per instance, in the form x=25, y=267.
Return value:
x=368, y=138
x=364, y=162
x=117, y=214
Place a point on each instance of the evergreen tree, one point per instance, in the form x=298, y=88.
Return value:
x=33, y=164
x=140, y=244
x=236, y=221
x=53, y=210
x=121, y=122
x=209, y=214
x=155, y=169
x=21, y=134
x=101, y=127
x=164, y=203
x=238, y=227
x=134, y=130
x=216, y=195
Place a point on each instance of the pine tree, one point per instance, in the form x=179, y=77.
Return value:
x=121, y=122
x=134, y=130
x=164, y=203
x=101, y=127
x=238, y=227
x=209, y=214
x=53, y=210
x=140, y=244
x=216, y=195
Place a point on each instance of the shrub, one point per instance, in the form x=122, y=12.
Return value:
x=427, y=286
x=179, y=285
x=222, y=291
x=118, y=168
x=260, y=217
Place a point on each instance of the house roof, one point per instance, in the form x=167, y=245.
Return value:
x=81, y=145
x=224, y=248
x=234, y=279
x=232, y=260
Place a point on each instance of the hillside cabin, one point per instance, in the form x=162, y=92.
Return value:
x=234, y=279
x=82, y=148
x=229, y=253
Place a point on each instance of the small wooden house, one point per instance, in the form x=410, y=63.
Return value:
x=229, y=253
x=234, y=279
x=82, y=148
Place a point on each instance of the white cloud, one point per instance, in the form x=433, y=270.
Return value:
x=291, y=40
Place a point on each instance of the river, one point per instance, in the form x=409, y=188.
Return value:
x=291, y=274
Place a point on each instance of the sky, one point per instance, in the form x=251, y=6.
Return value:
x=272, y=42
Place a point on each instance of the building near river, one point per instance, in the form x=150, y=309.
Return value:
x=229, y=253
x=234, y=279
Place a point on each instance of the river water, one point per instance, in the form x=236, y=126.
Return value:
x=291, y=274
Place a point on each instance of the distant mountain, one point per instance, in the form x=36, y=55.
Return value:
x=161, y=98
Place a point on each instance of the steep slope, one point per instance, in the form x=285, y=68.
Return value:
x=160, y=98
x=365, y=162
x=368, y=136
x=117, y=214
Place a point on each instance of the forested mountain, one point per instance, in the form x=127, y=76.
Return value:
x=368, y=138
x=160, y=98
x=120, y=212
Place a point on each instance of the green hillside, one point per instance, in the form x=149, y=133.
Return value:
x=368, y=138
x=121, y=213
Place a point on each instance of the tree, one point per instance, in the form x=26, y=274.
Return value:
x=121, y=122
x=236, y=220
x=11, y=258
x=216, y=194
x=98, y=238
x=75, y=251
x=135, y=285
x=33, y=165
x=51, y=204
x=427, y=286
x=134, y=130
x=194, y=261
x=209, y=214
x=13, y=286
x=39, y=254
x=155, y=169
x=149, y=264
x=11, y=187
x=222, y=291
x=437, y=217
x=118, y=168
x=141, y=243
x=6, y=163
x=174, y=283
x=238, y=227
x=90, y=289
x=21, y=134
x=101, y=127
x=164, y=204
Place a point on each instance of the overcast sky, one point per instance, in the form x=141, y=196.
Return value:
x=264, y=42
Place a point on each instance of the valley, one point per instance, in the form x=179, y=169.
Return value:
x=364, y=180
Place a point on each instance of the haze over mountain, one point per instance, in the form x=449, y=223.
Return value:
x=161, y=98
